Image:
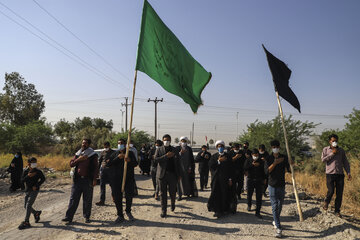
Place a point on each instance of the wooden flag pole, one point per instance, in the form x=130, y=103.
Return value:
x=129, y=134
x=289, y=159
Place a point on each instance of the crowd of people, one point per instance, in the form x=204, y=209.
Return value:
x=233, y=170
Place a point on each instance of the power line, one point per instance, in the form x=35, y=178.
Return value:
x=74, y=56
x=86, y=45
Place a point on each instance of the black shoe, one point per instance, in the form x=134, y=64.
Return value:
x=265, y=195
x=172, y=207
x=87, y=220
x=249, y=208
x=163, y=215
x=66, y=219
x=258, y=215
x=218, y=214
x=100, y=203
x=130, y=216
x=37, y=216
x=24, y=225
x=120, y=219
x=179, y=198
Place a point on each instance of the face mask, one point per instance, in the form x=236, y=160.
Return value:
x=183, y=144
x=261, y=152
x=33, y=165
x=334, y=144
x=236, y=151
x=221, y=149
x=107, y=149
x=166, y=143
x=255, y=158
x=121, y=146
x=131, y=145
x=16, y=156
x=157, y=147
x=275, y=150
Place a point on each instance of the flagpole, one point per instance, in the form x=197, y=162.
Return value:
x=129, y=134
x=289, y=159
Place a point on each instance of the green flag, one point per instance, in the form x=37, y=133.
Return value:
x=163, y=58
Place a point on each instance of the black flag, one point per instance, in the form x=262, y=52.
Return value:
x=281, y=75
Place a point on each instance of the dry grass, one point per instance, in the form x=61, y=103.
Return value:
x=58, y=162
x=316, y=185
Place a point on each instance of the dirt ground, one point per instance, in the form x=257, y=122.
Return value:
x=191, y=220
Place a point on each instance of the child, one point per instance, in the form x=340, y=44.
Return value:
x=32, y=178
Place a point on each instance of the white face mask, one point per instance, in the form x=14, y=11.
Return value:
x=106, y=149
x=261, y=152
x=275, y=150
x=157, y=147
x=334, y=144
x=131, y=145
x=166, y=143
x=236, y=151
x=33, y=165
x=183, y=144
x=255, y=158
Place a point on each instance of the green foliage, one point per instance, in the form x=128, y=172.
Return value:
x=71, y=133
x=263, y=132
x=21, y=103
x=138, y=136
x=349, y=137
x=29, y=138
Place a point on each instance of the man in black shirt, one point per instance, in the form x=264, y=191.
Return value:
x=275, y=166
x=254, y=167
x=263, y=155
x=203, y=158
x=33, y=178
x=168, y=171
x=105, y=155
x=238, y=160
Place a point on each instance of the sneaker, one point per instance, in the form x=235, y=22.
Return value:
x=24, y=225
x=163, y=214
x=66, y=219
x=273, y=223
x=130, y=216
x=325, y=206
x=119, y=219
x=172, y=207
x=179, y=198
x=278, y=233
x=37, y=216
x=100, y=203
x=87, y=220
x=249, y=208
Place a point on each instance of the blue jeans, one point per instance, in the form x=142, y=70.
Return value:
x=277, y=195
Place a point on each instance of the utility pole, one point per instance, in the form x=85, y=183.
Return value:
x=122, y=120
x=192, y=134
x=126, y=104
x=156, y=102
x=237, y=125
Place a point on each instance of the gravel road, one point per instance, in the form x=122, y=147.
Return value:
x=191, y=220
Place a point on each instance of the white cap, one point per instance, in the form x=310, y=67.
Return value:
x=184, y=138
x=220, y=142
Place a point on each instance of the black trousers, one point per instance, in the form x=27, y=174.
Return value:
x=104, y=179
x=169, y=181
x=258, y=186
x=118, y=195
x=239, y=182
x=335, y=181
x=16, y=180
x=81, y=186
x=204, y=177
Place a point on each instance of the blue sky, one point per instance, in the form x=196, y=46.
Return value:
x=319, y=40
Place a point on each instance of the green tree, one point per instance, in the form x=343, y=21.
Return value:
x=263, y=132
x=20, y=104
x=33, y=137
x=138, y=136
